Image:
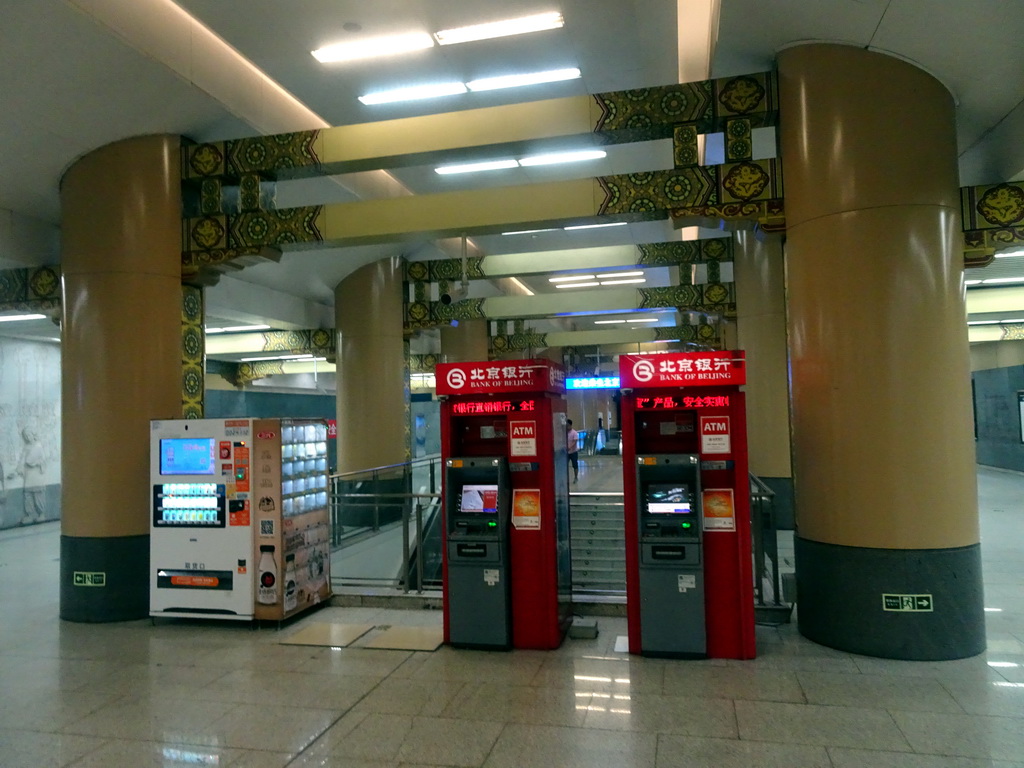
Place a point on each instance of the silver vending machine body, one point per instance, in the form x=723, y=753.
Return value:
x=671, y=561
x=477, y=515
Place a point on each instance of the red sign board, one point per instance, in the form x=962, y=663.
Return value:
x=715, y=435
x=508, y=376
x=670, y=403
x=332, y=429
x=466, y=407
x=683, y=369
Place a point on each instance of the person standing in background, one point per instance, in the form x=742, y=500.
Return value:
x=573, y=449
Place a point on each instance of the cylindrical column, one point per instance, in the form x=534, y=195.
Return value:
x=121, y=366
x=888, y=560
x=465, y=342
x=761, y=319
x=373, y=394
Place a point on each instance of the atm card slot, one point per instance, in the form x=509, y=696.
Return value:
x=670, y=554
x=472, y=550
x=205, y=580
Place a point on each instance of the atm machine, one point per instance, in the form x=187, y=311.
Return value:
x=686, y=494
x=477, y=530
x=507, y=569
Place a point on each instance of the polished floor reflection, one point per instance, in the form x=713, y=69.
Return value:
x=186, y=694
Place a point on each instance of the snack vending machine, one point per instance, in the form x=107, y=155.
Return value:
x=240, y=518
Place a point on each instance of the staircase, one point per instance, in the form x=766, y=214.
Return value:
x=598, y=544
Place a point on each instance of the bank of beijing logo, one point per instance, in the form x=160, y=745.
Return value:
x=643, y=370
x=456, y=378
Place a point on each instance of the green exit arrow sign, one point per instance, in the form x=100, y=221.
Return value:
x=907, y=603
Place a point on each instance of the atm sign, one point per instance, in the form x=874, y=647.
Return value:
x=715, y=435
x=522, y=436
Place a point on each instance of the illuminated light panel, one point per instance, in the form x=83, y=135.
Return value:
x=984, y=322
x=524, y=25
x=529, y=231
x=624, y=282
x=522, y=285
x=577, y=285
x=462, y=408
x=596, y=226
x=413, y=93
x=490, y=165
x=994, y=280
x=17, y=318
x=643, y=320
x=971, y=282
x=669, y=402
x=614, y=275
x=238, y=328
x=375, y=48
x=308, y=357
x=1010, y=254
x=518, y=81
x=570, y=279
x=594, y=382
x=608, y=322
x=994, y=610
x=563, y=157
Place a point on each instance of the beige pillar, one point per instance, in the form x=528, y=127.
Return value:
x=465, y=342
x=373, y=393
x=882, y=439
x=761, y=332
x=121, y=365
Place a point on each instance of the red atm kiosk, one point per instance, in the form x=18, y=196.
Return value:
x=689, y=581
x=507, y=568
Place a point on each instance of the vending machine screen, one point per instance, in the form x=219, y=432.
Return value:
x=668, y=499
x=479, y=499
x=187, y=456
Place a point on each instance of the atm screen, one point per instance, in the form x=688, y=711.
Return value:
x=187, y=456
x=668, y=499
x=479, y=499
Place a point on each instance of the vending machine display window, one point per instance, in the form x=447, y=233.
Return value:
x=187, y=456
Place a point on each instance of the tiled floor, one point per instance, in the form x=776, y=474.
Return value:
x=183, y=694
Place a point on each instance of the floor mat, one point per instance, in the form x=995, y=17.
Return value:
x=321, y=633
x=408, y=639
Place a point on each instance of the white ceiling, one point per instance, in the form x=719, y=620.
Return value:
x=84, y=73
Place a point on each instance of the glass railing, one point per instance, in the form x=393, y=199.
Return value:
x=768, y=605
x=386, y=526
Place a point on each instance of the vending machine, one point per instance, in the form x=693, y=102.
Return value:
x=240, y=518
x=507, y=569
x=689, y=579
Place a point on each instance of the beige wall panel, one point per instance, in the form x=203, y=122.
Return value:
x=371, y=367
x=759, y=275
x=451, y=213
x=997, y=354
x=121, y=367
x=883, y=440
x=857, y=159
x=121, y=209
x=509, y=124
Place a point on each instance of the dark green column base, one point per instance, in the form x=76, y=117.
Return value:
x=104, y=579
x=840, y=600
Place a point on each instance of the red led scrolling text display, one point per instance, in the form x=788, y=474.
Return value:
x=669, y=402
x=493, y=406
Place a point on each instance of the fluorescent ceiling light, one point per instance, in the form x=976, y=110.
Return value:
x=643, y=320
x=1014, y=320
x=238, y=328
x=307, y=356
x=522, y=285
x=983, y=322
x=611, y=275
x=596, y=226
x=971, y=282
x=563, y=157
x=607, y=322
x=536, y=23
x=490, y=165
x=1010, y=253
x=530, y=231
x=577, y=285
x=374, y=48
x=994, y=280
x=576, y=278
x=623, y=282
x=413, y=93
x=16, y=318
x=526, y=78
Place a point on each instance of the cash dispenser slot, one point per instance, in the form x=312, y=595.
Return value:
x=477, y=512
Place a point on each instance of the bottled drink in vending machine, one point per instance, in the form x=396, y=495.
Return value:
x=266, y=592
